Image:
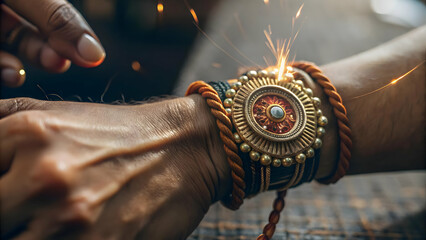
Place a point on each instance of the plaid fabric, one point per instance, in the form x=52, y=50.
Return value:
x=379, y=206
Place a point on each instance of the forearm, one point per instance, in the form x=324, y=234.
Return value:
x=387, y=126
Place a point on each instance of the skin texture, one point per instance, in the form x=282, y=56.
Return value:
x=92, y=171
x=388, y=126
x=49, y=38
x=104, y=176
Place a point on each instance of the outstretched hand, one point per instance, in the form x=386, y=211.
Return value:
x=47, y=33
x=95, y=171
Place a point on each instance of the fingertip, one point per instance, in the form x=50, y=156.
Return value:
x=95, y=64
x=52, y=62
x=12, y=77
x=90, y=50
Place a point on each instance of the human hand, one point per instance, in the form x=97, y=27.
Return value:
x=53, y=35
x=92, y=171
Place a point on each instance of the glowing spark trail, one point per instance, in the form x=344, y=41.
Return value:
x=217, y=46
x=194, y=15
x=393, y=82
x=299, y=11
x=197, y=25
x=239, y=51
x=240, y=26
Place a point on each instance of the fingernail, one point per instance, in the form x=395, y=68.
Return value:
x=90, y=49
x=11, y=77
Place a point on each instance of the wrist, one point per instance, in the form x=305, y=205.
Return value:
x=216, y=164
x=200, y=136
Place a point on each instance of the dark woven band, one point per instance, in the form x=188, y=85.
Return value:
x=221, y=88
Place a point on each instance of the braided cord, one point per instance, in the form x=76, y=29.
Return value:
x=341, y=116
x=274, y=216
x=224, y=124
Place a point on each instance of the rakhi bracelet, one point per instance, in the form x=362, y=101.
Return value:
x=278, y=123
x=264, y=177
x=278, y=126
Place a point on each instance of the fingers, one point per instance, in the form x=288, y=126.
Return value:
x=23, y=39
x=12, y=73
x=65, y=29
x=32, y=182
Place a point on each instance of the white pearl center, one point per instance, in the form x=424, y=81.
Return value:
x=277, y=112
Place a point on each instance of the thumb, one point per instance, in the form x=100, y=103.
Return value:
x=66, y=31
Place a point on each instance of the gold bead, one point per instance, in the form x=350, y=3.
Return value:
x=265, y=159
x=228, y=110
x=310, y=153
x=272, y=74
x=316, y=101
x=319, y=113
x=299, y=83
x=317, y=143
x=237, y=138
x=322, y=121
x=230, y=93
x=255, y=156
x=320, y=132
x=228, y=102
x=251, y=74
x=309, y=92
x=262, y=73
x=288, y=77
x=287, y=161
x=300, y=158
x=236, y=85
x=276, y=162
x=243, y=79
x=244, y=147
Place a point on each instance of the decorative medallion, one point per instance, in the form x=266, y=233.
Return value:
x=277, y=119
x=277, y=122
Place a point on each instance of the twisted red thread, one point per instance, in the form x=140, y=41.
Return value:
x=225, y=130
x=341, y=116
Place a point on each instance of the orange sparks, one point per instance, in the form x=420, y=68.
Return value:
x=194, y=15
x=281, y=69
x=281, y=49
x=160, y=8
x=299, y=11
x=216, y=65
x=266, y=2
x=136, y=66
x=393, y=82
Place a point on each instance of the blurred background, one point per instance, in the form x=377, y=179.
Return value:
x=154, y=48
x=146, y=42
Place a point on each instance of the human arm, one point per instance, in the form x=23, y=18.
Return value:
x=97, y=171
x=127, y=171
x=387, y=126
